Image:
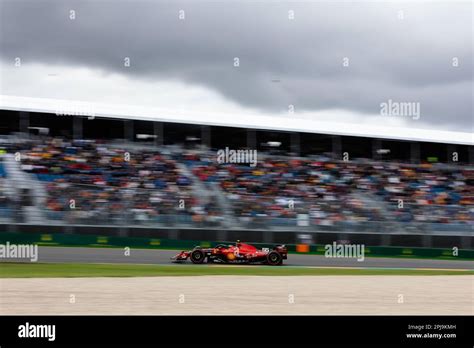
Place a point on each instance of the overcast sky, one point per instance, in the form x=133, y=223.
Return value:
x=395, y=50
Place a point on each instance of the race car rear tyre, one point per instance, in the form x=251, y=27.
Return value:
x=197, y=256
x=274, y=258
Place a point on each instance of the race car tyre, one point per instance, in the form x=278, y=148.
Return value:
x=197, y=256
x=274, y=258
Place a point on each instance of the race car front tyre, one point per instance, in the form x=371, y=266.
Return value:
x=274, y=258
x=197, y=256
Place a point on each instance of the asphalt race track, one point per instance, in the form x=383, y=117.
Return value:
x=155, y=256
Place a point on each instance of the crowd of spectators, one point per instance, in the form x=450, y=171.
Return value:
x=98, y=181
x=95, y=181
x=428, y=192
x=336, y=191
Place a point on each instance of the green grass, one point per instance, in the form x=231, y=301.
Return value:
x=55, y=270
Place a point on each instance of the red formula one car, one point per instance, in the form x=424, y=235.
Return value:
x=238, y=253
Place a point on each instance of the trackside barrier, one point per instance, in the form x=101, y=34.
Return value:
x=368, y=237
x=52, y=239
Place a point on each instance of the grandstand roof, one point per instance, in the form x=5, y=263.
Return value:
x=292, y=123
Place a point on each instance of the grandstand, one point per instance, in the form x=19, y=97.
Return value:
x=160, y=179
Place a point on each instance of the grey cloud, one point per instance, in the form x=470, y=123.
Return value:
x=406, y=60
